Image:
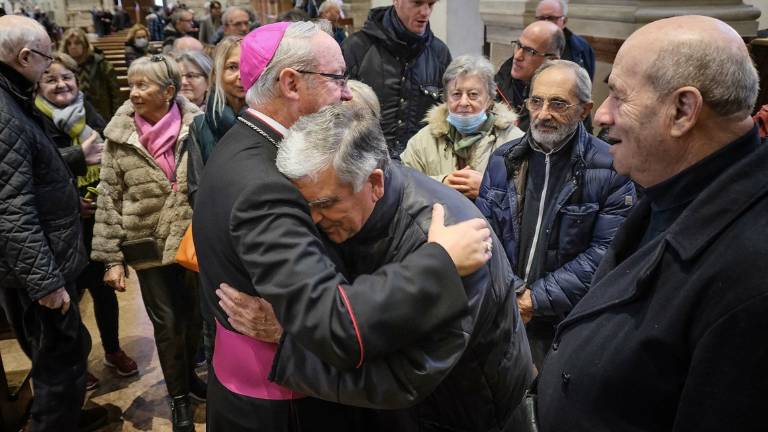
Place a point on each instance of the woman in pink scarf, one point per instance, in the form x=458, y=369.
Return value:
x=142, y=213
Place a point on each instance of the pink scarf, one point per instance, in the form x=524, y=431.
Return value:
x=160, y=139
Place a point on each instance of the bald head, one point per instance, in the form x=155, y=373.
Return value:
x=546, y=39
x=187, y=43
x=20, y=35
x=696, y=51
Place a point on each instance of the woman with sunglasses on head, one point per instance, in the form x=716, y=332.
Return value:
x=142, y=214
x=97, y=78
x=461, y=133
x=76, y=128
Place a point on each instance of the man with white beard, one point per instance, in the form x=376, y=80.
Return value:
x=554, y=200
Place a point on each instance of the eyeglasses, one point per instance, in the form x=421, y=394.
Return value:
x=341, y=79
x=530, y=51
x=46, y=56
x=193, y=75
x=550, y=18
x=554, y=106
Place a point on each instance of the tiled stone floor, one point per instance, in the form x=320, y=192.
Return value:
x=135, y=403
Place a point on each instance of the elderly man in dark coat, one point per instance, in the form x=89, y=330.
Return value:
x=253, y=229
x=40, y=235
x=671, y=336
x=468, y=375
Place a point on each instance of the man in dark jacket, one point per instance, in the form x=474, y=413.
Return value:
x=397, y=54
x=554, y=200
x=256, y=233
x=43, y=252
x=539, y=42
x=470, y=374
x=576, y=49
x=672, y=334
x=182, y=24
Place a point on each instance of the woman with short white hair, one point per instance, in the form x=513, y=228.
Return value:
x=461, y=133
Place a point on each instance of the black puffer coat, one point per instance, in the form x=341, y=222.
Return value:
x=468, y=376
x=407, y=78
x=40, y=233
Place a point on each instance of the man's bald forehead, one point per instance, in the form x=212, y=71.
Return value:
x=684, y=28
x=541, y=28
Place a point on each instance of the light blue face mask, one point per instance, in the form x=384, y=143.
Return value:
x=467, y=124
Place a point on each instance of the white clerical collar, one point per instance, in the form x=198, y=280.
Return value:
x=282, y=130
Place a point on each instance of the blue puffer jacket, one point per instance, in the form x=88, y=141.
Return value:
x=591, y=205
x=580, y=52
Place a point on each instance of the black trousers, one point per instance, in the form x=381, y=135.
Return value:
x=230, y=412
x=105, y=305
x=541, y=333
x=58, y=346
x=171, y=297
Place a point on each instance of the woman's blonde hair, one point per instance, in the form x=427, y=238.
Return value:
x=135, y=29
x=223, y=51
x=75, y=33
x=159, y=69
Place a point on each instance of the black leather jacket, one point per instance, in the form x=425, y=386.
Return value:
x=407, y=77
x=469, y=375
x=40, y=233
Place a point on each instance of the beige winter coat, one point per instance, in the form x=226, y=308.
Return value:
x=136, y=200
x=430, y=152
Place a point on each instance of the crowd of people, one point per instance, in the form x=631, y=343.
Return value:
x=386, y=237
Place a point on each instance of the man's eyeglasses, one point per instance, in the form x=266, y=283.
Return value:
x=554, y=106
x=341, y=79
x=530, y=51
x=46, y=56
x=550, y=18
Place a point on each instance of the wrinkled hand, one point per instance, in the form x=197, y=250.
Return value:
x=87, y=208
x=92, y=147
x=466, y=181
x=249, y=315
x=525, y=304
x=115, y=277
x=468, y=243
x=55, y=300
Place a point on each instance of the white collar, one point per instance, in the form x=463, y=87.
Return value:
x=282, y=130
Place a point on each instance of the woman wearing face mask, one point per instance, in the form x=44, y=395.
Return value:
x=195, y=68
x=462, y=133
x=76, y=128
x=137, y=44
x=97, y=78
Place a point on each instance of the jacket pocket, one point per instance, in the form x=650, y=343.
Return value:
x=576, y=224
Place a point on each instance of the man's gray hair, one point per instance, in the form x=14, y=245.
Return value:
x=15, y=37
x=563, y=6
x=729, y=85
x=294, y=51
x=583, y=88
x=468, y=65
x=230, y=10
x=178, y=14
x=338, y=136
x=327, y=5
x=557, y=44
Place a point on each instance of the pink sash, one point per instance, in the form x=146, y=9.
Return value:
x=242, y=365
